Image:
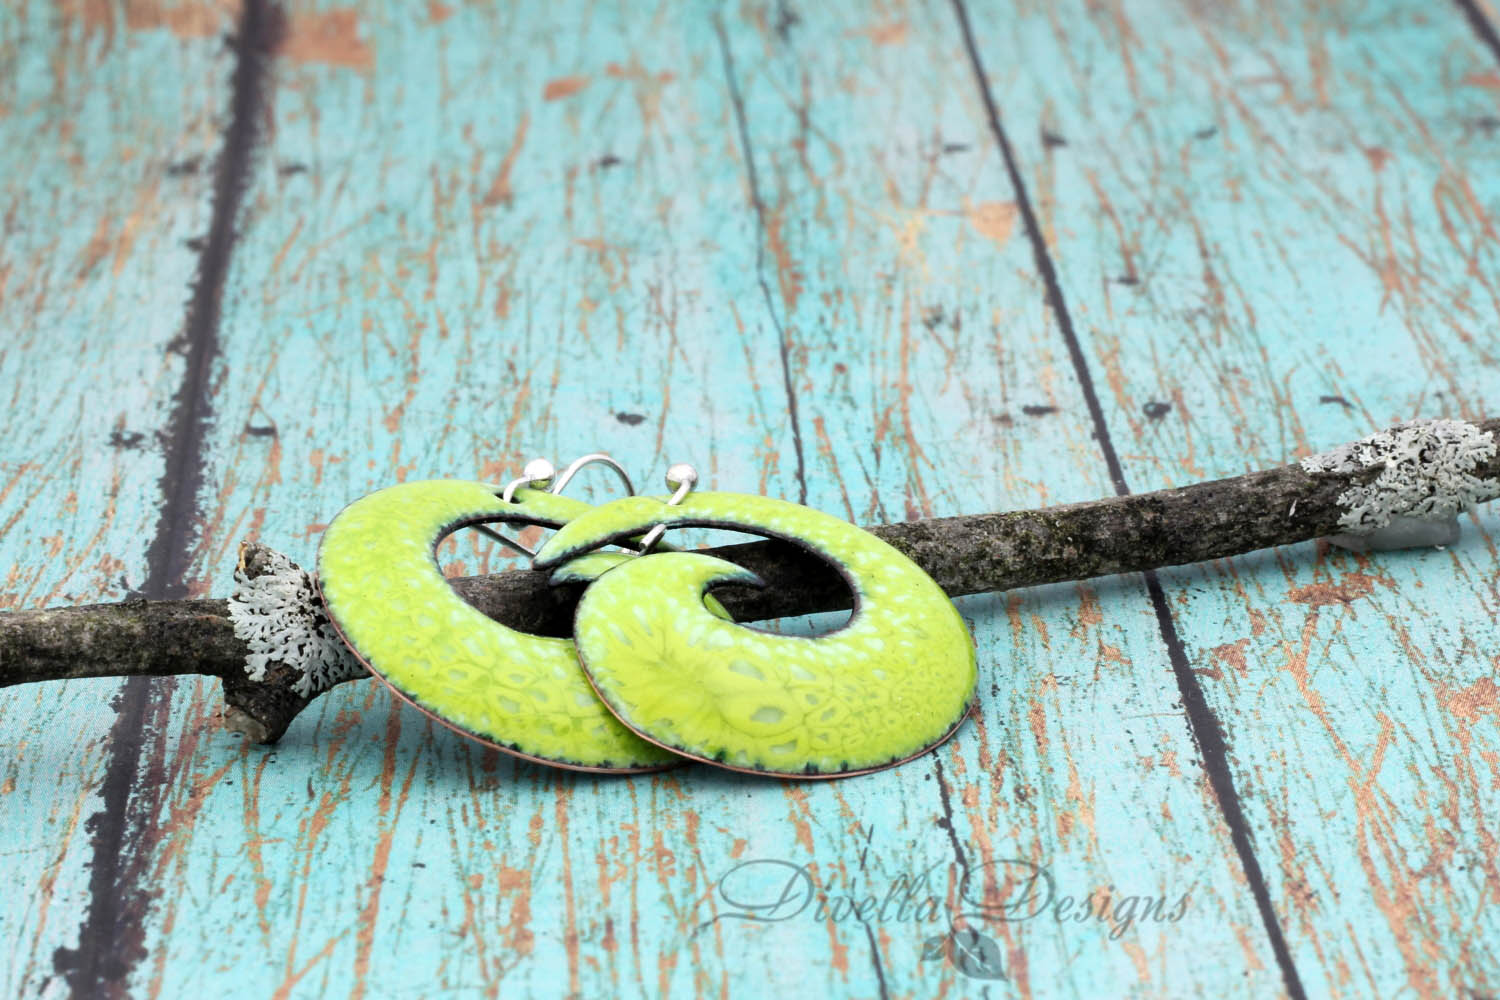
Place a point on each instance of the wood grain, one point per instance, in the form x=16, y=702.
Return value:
x=386, y=322
x=779, y=242
x=1274, y=229
x=107, y=130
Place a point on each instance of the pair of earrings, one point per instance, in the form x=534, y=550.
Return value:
x=656, y=671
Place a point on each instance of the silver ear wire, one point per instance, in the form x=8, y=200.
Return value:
x=591, y=459
x=681, y=478
x=539, y=474
x=509, y=543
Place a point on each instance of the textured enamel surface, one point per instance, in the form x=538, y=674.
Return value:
x=391, y=603
x=588, y=567
x=891, y=683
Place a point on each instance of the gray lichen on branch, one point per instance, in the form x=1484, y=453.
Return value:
x=965, y=555
x=277, y=613
x=1427, y=471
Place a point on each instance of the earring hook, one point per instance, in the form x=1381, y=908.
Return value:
x=681, y=478
x=539, y=474
x=591, y=459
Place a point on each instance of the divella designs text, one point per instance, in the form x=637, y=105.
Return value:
x=1008, y=890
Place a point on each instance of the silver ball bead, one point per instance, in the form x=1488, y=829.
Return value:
x=539, y=472
x=681, y=474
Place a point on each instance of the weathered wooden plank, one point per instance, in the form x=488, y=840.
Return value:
x=106, y=137
x=427, y=162
x=934, y=277
x=480, y=234
x=1274, y=228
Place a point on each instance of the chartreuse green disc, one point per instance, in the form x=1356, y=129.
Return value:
x=894, y=682
x=389, y=600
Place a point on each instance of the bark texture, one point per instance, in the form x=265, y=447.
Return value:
x=965, y=555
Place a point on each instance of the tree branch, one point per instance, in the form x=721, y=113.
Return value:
x=965, y=555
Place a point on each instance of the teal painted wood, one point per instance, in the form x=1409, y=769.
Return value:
x=106, y=132
x=1282, y=228
x=468, y=306
x=478, y=235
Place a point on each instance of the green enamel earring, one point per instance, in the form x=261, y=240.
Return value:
x=521, y=693
x=894, y=682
